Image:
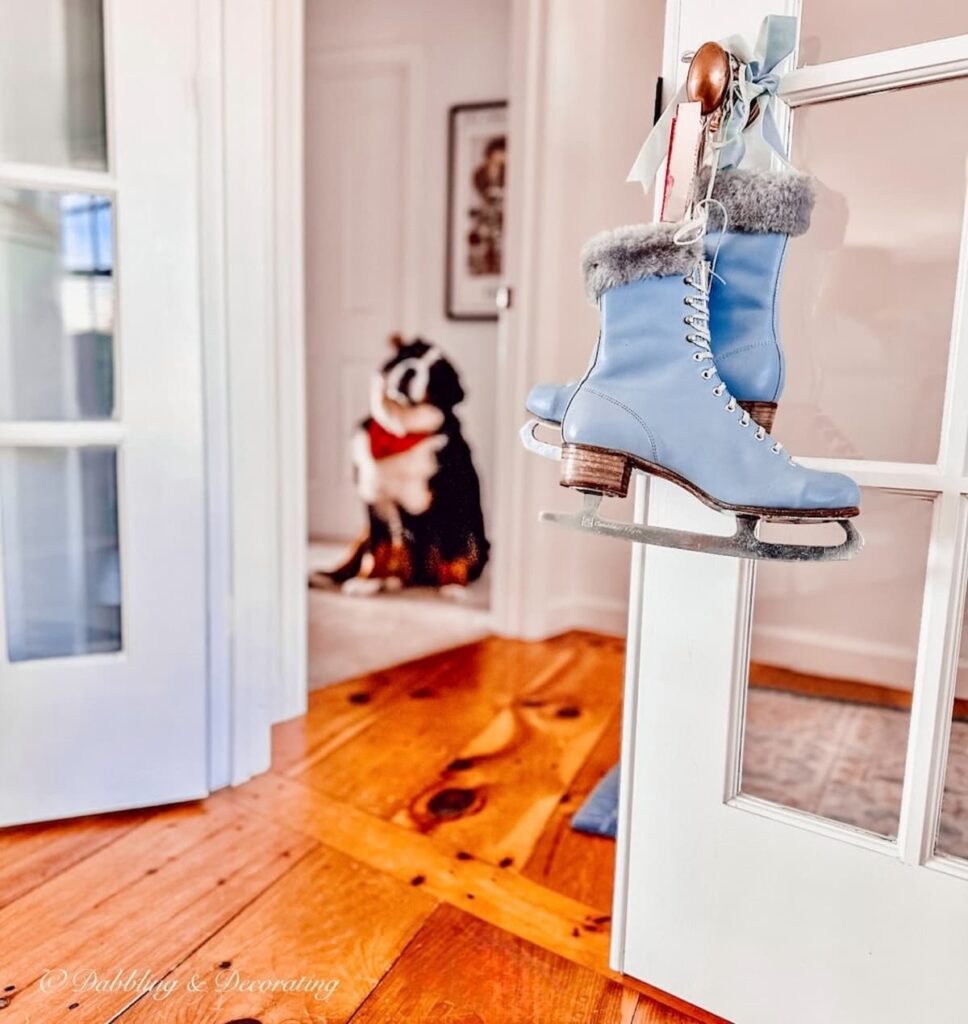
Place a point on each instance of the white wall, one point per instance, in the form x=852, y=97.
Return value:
x=462, y=56
x=584, y=122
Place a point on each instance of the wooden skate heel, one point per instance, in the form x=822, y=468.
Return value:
x=595, y=469
x=763, y=413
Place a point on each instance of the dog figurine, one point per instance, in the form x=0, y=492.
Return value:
x=414, y=471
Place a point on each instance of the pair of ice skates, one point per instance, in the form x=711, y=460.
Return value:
x=685, y=378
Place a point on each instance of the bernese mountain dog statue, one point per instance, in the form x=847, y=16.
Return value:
x=415, y=474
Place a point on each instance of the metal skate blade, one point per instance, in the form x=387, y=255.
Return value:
x=531, y=442
x=742, y=544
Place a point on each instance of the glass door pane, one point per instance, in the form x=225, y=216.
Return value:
x=52, y=107
x=58, y=306
x=868, y=292
x=952, y=838
x=832, y=666
x=62, y=576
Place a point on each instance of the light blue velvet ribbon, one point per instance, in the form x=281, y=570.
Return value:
x=756, y=83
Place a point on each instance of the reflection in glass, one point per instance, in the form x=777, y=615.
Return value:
x=56, y=306
x=833, y=30
x=832, y=664
x=52, y=83
x=868, y=292
x=62, y=577
x=953, y=826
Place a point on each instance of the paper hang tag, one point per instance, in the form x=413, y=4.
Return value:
x=684, y=141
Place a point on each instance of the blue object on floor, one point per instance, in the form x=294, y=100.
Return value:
x=598, y=815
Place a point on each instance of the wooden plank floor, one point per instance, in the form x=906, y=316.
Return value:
x=407, y=859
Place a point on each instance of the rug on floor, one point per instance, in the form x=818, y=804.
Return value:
x=836, y=759
x=350, y=636
x=598, y=815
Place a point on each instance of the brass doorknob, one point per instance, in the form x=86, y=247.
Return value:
x=707, y=80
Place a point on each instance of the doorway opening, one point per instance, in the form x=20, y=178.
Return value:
x=405, y=140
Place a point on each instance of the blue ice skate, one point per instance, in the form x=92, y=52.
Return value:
x=764, y=209
x=652, y=400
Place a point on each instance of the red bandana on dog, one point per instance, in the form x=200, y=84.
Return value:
x=383, y=444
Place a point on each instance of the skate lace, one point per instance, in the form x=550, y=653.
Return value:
x=699, y=280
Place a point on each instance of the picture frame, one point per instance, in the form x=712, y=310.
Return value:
x=476, y=189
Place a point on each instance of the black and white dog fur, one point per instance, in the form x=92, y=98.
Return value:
x=415, y=473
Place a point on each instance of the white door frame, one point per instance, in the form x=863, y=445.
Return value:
x=516, y=355
x=249, y=87
x=290, y=329
x=665, y=584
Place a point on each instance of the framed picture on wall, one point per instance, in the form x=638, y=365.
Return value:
x=475, y=209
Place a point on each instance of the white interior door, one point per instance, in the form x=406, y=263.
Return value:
x=102, y=563
x=794, y=830
x=360, y=123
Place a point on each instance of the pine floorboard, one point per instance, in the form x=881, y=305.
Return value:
x=146, y=924
x=464, y=970
x=339, y=922
x=409, y=849
x=570, y=862
x=501, y=896
x=31, y=855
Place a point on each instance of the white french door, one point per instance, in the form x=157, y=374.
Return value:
x=102, y=563
x=794, y=822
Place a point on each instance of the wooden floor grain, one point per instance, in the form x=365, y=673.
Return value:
x=408, y=858
x=571, y=862
x=330, y=919
x=30, y=856
x=461, y=969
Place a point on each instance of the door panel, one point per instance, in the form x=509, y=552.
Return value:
x=818, y=891
x=359, y=127
x=102, y=631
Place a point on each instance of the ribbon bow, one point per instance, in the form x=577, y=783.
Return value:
x=756, y=83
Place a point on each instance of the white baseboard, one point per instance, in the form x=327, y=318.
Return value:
x=825, y=654
x=598, y=615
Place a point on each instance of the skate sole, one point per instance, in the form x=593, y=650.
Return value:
x=605, y=471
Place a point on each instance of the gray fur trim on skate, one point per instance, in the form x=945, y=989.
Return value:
x=761, y=201
x=633, y=253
